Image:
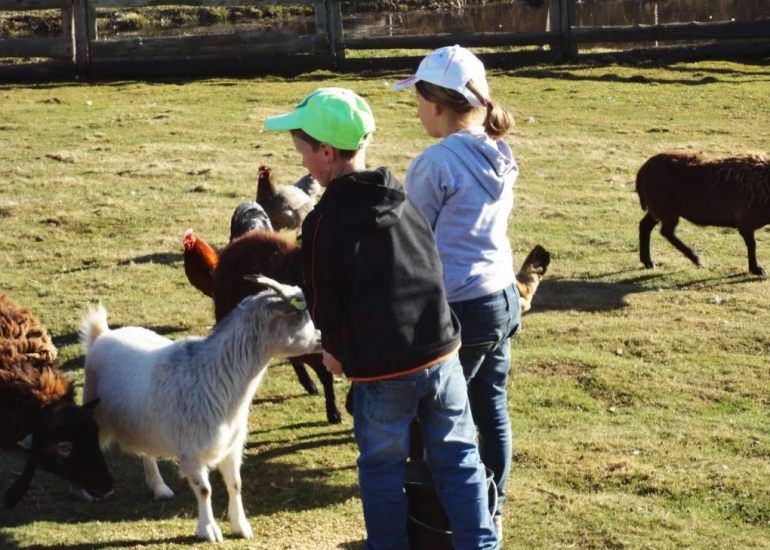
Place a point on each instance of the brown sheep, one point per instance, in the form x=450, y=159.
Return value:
x=37, y=409
x=724, y=192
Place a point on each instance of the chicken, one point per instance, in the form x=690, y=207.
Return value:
x=200, y=261
x=287, y=205
x=309, y=185
x=248, y=216
x=531, y=273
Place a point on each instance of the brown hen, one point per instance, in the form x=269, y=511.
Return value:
x=200, y=261
x=286, y=205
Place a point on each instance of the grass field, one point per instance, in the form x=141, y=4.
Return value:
x=639, y=398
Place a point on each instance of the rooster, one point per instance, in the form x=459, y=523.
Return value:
x=531, y=273
x=287, y=205
x=200, y=261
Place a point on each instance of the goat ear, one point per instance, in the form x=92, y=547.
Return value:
x=267, y=282
x=91, y=405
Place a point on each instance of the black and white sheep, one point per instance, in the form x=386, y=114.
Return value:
x=189, y=399
x=38, y=412
x=724, y=192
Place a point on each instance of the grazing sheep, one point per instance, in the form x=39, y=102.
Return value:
x=278, y=257
x=37, y=409
x=190, y=398
x=725, y=192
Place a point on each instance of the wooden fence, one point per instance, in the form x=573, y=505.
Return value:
x=79, y=51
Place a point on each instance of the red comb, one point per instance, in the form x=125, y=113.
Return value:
x=261, y=165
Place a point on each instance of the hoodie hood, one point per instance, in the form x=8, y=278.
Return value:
x=367, y=199
x=484, y=156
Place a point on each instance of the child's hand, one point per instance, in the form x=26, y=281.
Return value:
x=331, y=363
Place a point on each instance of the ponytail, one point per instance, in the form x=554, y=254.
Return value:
x=497, y=120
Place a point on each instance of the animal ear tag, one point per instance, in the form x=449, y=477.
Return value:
x=298, y=304
x=299, y=242
x=26, y=443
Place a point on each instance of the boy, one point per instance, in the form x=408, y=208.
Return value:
x=375, y=291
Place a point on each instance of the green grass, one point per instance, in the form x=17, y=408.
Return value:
x=639, y=398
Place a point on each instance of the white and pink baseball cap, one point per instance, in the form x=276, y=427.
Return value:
x=451, y=67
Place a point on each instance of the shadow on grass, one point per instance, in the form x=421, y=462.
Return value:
x=595, y=294
x=163, y=258
x=10, y=544
x=269, y=487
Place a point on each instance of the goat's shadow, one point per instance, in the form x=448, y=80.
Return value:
x=269, y=487
x=594, y=293
x=8, y=543
x=162, y=258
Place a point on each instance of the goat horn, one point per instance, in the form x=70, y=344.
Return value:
x=266, y=281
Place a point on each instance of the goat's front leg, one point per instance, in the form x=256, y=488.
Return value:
x=160, y=491
x=230, y=468
x=198, y=476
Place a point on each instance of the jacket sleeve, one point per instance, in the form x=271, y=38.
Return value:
x=323, y=283
x=425, y=185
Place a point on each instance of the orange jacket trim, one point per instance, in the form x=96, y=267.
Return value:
x=410, y=371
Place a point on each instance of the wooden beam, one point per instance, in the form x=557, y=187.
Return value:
x=142, y=3
x=24, y=5
x=433, y=41
x=82, y=54
x=674, y=31
x=59, y=47
x=236, y=45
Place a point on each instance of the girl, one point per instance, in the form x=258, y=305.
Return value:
x=464, y=185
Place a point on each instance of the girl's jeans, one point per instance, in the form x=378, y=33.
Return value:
x=382, y=413
x=488, y=323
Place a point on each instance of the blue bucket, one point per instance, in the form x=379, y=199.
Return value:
x=428, y=526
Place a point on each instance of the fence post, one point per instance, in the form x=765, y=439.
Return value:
x=67, y=29
x=334, y=12
x=82, y=56
x=567, y=49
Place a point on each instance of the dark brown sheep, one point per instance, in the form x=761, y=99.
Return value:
x=37, y=409
x=277, y=257
x=724, y=192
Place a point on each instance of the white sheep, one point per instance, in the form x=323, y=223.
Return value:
x=190, y=398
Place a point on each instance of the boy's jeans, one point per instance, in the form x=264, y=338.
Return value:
x=383, y=410
x=487, y=326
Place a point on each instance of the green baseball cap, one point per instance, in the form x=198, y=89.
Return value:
x=336, y=116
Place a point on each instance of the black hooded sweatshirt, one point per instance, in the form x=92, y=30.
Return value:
x=373, y=279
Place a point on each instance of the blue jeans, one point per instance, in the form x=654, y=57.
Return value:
x=488, y=323
x=383, y=411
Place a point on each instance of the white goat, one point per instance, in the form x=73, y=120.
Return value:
x=190, y=398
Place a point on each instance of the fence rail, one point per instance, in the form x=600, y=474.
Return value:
x=79, y=47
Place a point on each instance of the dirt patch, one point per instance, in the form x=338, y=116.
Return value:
x=556, y=369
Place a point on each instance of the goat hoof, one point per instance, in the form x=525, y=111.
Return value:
x=210, y=533
x=649, y=265
x=244, y=531
x=758, y=271
x=162, y=493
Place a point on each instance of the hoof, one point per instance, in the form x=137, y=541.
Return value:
x=758, y=271
x=210, y=533
x=334, y=417
x=162, y=493
x=649, y=265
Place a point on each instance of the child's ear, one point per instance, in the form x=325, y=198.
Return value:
x=437, y=109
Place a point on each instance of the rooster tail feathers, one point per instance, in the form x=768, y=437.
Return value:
x=94, y=324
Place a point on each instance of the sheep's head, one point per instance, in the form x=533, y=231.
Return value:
x=66, y=444
x=290, y=320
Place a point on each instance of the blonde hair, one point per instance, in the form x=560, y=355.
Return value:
x=497, y=121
